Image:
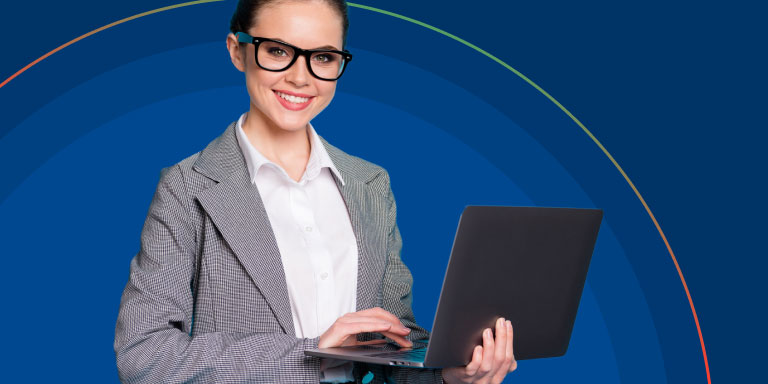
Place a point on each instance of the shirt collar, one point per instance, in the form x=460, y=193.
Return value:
x=318, y=155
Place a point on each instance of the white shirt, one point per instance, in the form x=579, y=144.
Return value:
x=314, y=235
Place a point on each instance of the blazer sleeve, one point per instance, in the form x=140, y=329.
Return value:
x=153, y=342
x=397, y=299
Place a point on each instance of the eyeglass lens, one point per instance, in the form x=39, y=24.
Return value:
x=276, y=56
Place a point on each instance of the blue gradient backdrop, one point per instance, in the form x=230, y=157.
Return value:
x=674, y=91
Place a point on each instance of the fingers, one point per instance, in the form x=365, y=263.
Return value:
x=378, y=314
x=360, y=327
x=489, y=348
x=501, y=343
x=508, y=363
x=340, y=331
x=403, y=342
x=357, y=318
x=510, y=353
x=355, y=328
x=396, y=332
x=511, y=350
x=493, y=360
x=381, y=313
x=369, y=320
x=495, y=352
x=474, y=365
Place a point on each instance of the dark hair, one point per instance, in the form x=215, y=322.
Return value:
x=246, y=12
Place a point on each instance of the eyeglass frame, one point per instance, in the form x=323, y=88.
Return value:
x=243, y=37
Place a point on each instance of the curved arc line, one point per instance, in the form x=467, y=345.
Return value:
x=492, y=57
x=97, y=30
x=591, y=136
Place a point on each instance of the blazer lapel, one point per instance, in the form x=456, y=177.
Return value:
x=368, y=224
x=355, y=194
x=236, y=208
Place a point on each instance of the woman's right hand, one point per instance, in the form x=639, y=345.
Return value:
x=343, y=331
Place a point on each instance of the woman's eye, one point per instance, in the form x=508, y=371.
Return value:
x=324, y=58
x=277, y=51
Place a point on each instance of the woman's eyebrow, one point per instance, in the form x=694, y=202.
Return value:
x=323, y=47
x=327, y=47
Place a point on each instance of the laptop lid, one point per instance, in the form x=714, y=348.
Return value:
x=526, y=264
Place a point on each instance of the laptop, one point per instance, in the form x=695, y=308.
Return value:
x=526, y=264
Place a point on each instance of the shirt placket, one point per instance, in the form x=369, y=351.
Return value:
x=319, y=257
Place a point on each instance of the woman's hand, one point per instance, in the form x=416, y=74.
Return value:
x=490, y=362
x=344, y=329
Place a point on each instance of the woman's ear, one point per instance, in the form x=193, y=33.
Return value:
x=236, y=52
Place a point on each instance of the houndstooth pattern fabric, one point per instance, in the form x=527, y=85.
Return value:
x=206, y=300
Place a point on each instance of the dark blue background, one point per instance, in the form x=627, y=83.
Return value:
x=673, y=90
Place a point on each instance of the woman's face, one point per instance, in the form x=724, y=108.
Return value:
x=306, y=25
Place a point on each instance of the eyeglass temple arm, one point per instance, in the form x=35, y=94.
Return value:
x=243, y=37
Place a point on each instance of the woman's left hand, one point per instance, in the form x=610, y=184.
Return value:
x=490, y=362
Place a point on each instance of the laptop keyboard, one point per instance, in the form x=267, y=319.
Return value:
x=409, y=355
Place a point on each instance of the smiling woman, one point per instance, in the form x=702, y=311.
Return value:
x=275, y=109
x=271, y=241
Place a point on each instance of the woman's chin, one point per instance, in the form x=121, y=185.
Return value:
x=283, y=122
x=292, y=126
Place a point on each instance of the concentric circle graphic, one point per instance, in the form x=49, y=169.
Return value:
x=447, y=139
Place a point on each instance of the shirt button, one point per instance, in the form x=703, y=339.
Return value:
x=324, y=275
x=308, y=229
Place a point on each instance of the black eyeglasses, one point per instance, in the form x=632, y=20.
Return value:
x=274, y=55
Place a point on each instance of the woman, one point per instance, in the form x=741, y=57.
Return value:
x=271, y=241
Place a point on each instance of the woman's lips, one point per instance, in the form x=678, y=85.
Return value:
x=292, y=106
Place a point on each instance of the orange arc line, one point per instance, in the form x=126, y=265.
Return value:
x=597, y=142
x=605, y=151
x=674, y=259
x=97, y=30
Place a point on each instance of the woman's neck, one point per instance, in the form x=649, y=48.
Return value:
x=288, y=149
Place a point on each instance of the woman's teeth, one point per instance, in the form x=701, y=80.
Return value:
x=293, y=99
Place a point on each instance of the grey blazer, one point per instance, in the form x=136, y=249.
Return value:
x=206, y=299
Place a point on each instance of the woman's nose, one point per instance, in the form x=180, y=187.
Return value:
x=298, y=74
